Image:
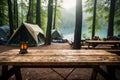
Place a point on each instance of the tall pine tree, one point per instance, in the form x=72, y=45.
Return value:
x=78, y=27
x=111, y=19
x=49, y=23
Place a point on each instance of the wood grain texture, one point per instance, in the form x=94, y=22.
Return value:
x=58, y=58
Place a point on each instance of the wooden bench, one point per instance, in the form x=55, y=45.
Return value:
x=94, y=43
x=113, y=51
x=58, y=59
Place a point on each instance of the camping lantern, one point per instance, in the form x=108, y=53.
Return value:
x=23, y=48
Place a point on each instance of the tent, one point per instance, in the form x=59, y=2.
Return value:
x=55, y=34
x=30, y=33
x=57, y=37
x=4, y=33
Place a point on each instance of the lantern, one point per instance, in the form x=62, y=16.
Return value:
x=23, y=48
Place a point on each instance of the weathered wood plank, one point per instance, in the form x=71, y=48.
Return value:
x=59, y=58
x=57, y=52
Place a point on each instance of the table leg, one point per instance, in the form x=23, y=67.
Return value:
x=103, y=73
x=65, y=78
x=4, y=73
x=94, y=74
x=18, y=73
x=89, y=45
x=7, y=73
x=111, y=72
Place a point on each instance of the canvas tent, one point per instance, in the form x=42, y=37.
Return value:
x=55, y=34
x=4, y=33
x=30, y=33
x=57, y=37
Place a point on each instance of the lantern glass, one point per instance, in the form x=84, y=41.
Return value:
x=23, y=48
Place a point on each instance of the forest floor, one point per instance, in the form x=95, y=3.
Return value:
x=48, y=74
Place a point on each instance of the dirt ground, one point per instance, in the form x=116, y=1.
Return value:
x=48, y=73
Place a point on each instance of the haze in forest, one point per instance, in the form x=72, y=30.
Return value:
x=67, y=24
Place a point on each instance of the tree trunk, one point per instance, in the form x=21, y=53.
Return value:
x=54, y=23
x=94, y=19
x=38, y=12
x=1, y=15
x=111, y=19
x=78, y=28
x=49, y=23
x=15, y=14
x=10, y=17
x=30, y=12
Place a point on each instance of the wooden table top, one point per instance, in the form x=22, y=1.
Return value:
x=58, y=58
x=102, y=41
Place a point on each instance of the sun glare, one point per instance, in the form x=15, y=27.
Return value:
x=68, y=4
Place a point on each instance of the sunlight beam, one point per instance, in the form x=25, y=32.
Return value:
x=68, y=4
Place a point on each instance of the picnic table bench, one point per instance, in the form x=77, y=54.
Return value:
x=117, y=51
x=59, y=59
x=94, y=43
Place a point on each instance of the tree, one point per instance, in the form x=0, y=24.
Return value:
x=30, y=12
x=54, y=21
x=15, y=16
x=94, y=19
x=111, y=19
x=78, y=28
x=38, y=12
x=49, y=23
x=10, y=17
x=117, y=17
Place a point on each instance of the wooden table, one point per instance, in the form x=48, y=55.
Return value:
x=57, y=59
x=93, y=43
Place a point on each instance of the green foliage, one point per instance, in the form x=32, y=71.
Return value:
x=102, y=14
x=3, y=12
x=44, y=19
x=99, y=15
x=89, y=19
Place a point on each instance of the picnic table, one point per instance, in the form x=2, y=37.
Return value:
x=59, y=59
x=94, y=43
